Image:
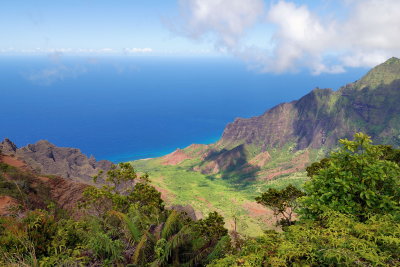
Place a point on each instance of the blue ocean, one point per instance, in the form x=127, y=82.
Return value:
x=126, y=108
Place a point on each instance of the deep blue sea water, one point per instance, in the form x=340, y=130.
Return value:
x=125, y=108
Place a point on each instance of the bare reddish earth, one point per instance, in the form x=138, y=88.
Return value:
x=260, y=160
x=256, y=209
x=180, y=155
x=13, y=161
x=166, y=195
x=175, y=157
x=299, y=163
x=202, y=199
x=65, y=192
x=6, y=204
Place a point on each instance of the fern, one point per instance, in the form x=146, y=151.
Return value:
x=198, y=258
x=143, y=250
x=104, y=247
x=171, y=226
x=130, y=225
x=219, y=248
x=182, y=237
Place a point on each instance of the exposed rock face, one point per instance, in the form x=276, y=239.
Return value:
x=188, y=210
x=7, y=147
x=62, y=161
x=305, y=122
x=47, y=158
x=323, y=116
x=317, y=120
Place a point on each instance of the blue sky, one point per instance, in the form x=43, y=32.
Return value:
x=271, y=36
x=97, y=24
x=91, y=24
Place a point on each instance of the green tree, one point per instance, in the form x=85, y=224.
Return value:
x=132, y=211
x=212, y=228
x=121, y=187
x=315, y=167
x=357, y=180
x=351, y=214
x=283, y=202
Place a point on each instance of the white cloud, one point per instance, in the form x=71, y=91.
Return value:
x=370, y=35
x=66, y=51
x=138, y=50
x=226, y=19
x=301, y=38
x=93, y=51
x=106, y=50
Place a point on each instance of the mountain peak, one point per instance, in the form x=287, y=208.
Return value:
x=392, y=60
x=382, y=74
x=7, y=147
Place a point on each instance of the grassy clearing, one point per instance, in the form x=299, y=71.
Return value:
x=183, y=186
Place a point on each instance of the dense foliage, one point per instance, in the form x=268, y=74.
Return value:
x=350, y=214
x=357, y=180
x=123, y=222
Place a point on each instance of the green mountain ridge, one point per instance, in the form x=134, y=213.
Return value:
x=320, y=118
x=383, y=74
x=273, y=149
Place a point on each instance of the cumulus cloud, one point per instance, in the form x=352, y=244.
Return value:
x=227, y=20
x=301, y=37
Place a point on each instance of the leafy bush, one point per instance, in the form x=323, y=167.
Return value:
x=350, y=214
x=356, y=180
x=125, y=223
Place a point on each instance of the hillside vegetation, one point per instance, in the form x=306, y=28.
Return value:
x=273, y=149
x=123, y=222
x=287, y=188
x=349, y=215
x=235, y=200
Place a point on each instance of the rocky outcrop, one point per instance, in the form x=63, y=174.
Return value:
x=46, y=158
x=188, y=210
x=37, y=190
x=7, y=147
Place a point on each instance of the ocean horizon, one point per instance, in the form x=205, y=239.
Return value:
x=128, y=108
